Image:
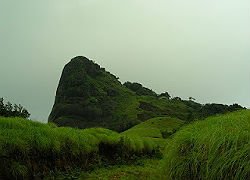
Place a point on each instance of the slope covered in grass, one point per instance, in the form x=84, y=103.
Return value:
x=30, y=149
x=160, y=127
x=155, y=129
x=89, y=96
x=216, y=148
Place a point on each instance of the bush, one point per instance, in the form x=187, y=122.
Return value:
x=139, y=89
x=10, y=110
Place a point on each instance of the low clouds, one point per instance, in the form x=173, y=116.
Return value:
x=188, y=48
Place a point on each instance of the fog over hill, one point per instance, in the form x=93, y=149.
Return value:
x=188, y=48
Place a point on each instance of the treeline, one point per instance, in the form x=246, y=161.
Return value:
x=195, y=111
x=12, y=110
x=202, y=111
x=211, y=109
x=139, y=89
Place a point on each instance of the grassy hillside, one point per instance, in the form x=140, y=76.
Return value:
x=160, y=127
x=31, y=149
x=155, y=129
x=89, y=96
x=216, y=148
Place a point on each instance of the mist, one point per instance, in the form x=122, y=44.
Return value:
x=188, y=48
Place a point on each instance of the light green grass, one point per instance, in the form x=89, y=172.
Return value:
x=29, y=148
x=216, y=148
x=155, y=129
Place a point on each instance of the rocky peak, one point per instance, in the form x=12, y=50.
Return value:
x=85, y=95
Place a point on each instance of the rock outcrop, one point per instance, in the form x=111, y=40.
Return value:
x=87, y=96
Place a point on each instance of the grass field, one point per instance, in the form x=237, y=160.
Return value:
x=159, y=127
x=155, y=129
x=215, y=148
x=29, y=149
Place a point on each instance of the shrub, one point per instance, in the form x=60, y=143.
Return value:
x=10, y=110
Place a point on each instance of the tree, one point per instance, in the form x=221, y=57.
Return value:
x=10, y=110
x=191, y=99
x=176, y=99
x=2, y=107
x=139, y=89
x=25, y=113
x=165, y=94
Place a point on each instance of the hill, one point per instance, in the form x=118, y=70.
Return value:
x=90, y=96
x=156, y=129
x=216, y=148
x=160, y=127
x=32, y=150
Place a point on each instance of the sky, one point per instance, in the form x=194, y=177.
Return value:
x=197, y=48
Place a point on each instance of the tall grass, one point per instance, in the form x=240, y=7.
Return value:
x=29, y=149
x=216, y=148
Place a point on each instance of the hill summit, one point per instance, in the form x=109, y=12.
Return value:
x=89, y=96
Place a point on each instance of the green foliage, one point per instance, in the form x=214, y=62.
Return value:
x=28, y=148
x=141, y=169
x=212, y=109
x=18, y=170
x=216, y=148
x=164, y=95
x=9, y=110
x=88, y=96
x=139, y=89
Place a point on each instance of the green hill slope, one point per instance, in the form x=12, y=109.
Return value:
x=160, y=127
x=156, y=129
x=216, y=148
x=89, y=96
x=31, y=150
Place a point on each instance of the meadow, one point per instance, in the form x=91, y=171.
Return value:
x=160, y=148
x=216, y=148
x=31, y=149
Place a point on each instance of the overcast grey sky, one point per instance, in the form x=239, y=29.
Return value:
x=198, y=48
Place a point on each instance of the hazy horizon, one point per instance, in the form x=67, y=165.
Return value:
x=188, y=48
